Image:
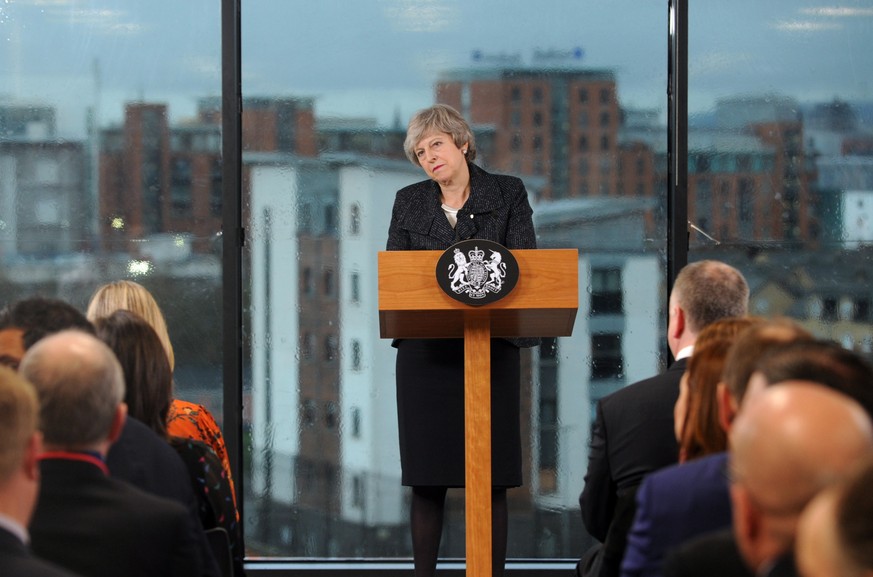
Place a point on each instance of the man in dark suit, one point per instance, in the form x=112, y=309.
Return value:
x=20, y=446
x=138, y=456
x=633, y=431
x=681, y=502
x=788, y=443
x=85, y=520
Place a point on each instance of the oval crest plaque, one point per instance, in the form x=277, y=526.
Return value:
x=477, y=272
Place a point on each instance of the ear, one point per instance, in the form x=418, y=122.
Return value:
x=118, y=422
x=747, y=522
x=32, y=451
x=727, y=406
x=678, y=323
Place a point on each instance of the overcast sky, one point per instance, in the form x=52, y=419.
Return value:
x=381, y=57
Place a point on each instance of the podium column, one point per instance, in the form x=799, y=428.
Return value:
x=477, y=443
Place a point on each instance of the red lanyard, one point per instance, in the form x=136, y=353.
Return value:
x=73, y=456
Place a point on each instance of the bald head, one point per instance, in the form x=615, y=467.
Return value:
x=788, y=443
x=80, y=387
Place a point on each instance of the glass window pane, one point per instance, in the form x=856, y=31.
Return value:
x=324, y=120
x=110, y=165
x=781, y=134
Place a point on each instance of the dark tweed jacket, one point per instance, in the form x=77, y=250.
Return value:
x=497, y=210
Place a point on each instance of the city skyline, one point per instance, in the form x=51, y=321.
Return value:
x=384, y=56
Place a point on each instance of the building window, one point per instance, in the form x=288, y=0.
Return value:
x=329, y=287
x=537, y=94
x=583, y=95
x=515, y=94
x=582, y=119
x=582, y=143
x=604, y=142
x=330, y=348
x=307, y=282
x=330, y=415
x=307, y=342
x=355, y=287
x=604, y=119
x=355, y=219
x=829, y=309
x=180, y=186
x=515, y=118
x=537, y=143
x=358, y=492
x=538, y=118
x=606, y=360
x=330, y=218
x=605, y=96
x=356, y=423
x=862, y=310
x=309, y=409
x=515, y=142
x=606, y=292
x=356, y=355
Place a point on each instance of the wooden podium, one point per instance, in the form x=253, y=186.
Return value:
x=542, y=304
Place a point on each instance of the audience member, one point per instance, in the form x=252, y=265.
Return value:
x=835, y=531
x=84, y=519
x=184, y=419
x=633, y=432
x=699, y=430
x=20, y=446
x=787, y=443
x=821, y=361
x=138, y=456
x=673, y=505
x=149, y=389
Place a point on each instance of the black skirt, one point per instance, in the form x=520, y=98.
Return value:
x=430, y=412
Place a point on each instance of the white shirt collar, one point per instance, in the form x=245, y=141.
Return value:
x=15, y=528
x=685, y=352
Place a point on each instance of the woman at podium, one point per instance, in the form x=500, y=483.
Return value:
x=458, y=201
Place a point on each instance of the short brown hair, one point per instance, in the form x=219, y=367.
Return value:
x=751, y=345
x=19, y=415
x=80, y=385
x=438, y=118
x=709, y=290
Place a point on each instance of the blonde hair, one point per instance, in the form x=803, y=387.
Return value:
x=438, y=118
x=19, y=416
x=131, y=296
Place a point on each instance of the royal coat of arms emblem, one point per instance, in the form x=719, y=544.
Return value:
x=477, y=271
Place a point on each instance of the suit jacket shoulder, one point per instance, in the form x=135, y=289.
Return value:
x=676, y=504
x=712, y=555
x=498, y=210
x=131, y=532
x=17, y=561
x=632, y=435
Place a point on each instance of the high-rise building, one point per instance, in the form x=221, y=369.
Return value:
x=559, y=122
x=156, y=178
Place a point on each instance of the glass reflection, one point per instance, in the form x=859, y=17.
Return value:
x=781, y=158
x=107, y=170
x=324, y=118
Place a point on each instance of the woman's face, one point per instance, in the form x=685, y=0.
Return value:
x=681, y=407
x=440, y=158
